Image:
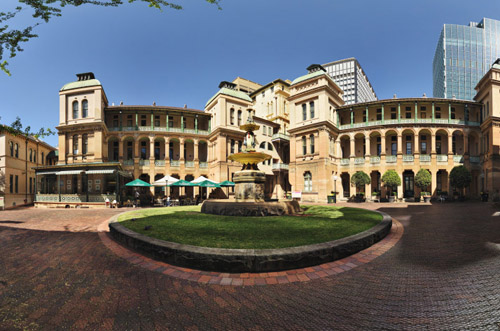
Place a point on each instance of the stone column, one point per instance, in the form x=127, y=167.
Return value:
x=120, y=149
x=151, y=150
x=433, y=143
x=416, y=148
x=196, y=156
x=400, y=144
x=382, y=144
x=367, y=147
x=353, y=147
x=181, y=149
x=338, y=150
x=167, y=152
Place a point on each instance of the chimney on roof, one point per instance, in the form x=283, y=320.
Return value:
x=154, y=103
x=228, y=85
x=315, y=67
x=85, y=76
x=394, y=96
x=424, y=96
x=185, y=106
x=121, y=103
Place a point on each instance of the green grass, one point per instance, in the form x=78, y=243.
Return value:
x=186, y=225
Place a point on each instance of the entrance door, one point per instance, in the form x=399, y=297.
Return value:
x=408, y=184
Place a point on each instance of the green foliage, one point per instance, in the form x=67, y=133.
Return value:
x=360, y=179
x=423, y=179
x=16, y=129
x=187, y=225
x=460, y=177
x=45, y=10
x=391, y=178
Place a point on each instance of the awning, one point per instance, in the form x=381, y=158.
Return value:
x=47, y=173
x=69, y=172
x=100, y=171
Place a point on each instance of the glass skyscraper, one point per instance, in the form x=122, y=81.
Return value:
x=464, y=53
x=351, y=78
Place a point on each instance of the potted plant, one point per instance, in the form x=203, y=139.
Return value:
x=426, y=196
x=423, y=179
x=460, y=178
x=391, y=179
x=360, y=179
x=375, y=196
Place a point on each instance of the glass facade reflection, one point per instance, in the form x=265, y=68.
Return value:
x=351, y=78
x=464, y=53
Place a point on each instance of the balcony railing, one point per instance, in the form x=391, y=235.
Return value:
x=458, y=159
x=442, y=158
x=344, y=162
x=375, y=159
x=128, y=162
x=159, y=129
x=359, y=161
x=174, y=163
x=159, y=163
x=391, y=159
x=407, y=121
x=408, y=158
x=474, y=159
x=203, y=165
x=280, y=166
x=189, y=164
x=144, y=163
x=425, y=158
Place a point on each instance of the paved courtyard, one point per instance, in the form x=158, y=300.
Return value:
x=443, y=273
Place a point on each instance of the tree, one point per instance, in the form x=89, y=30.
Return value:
x=360, y=179
x=16, y=129
x=460, y=177
x=423, y=179
x=45, y=10
x=391, y=179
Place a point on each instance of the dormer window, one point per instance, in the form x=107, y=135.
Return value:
x=75, y=109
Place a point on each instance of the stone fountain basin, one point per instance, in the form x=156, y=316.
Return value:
x=250, y=208
x=249, y=158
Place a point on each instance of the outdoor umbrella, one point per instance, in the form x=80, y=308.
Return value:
x=182, y=183
x=207, y=183
x=227, y=183
x=202, y=179
x=138, y=183
x=165, y=181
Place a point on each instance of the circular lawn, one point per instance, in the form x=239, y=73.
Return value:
x=186, y=225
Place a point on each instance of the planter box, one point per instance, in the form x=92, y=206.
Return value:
x=392, y=198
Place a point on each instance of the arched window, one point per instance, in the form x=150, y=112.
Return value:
x=11, y=146
x=75, y=109
x=269, y=147
x=16, y=151
x=262, y=145
x=31, y=155
x=311, y=143
x=34, y=157
x=85, y=142
x=239, y=117
x=311, y=108
x=75, y=144
x=240, y=143
x=43, y=158
x=304, y=145
x=304, y=111
x=231, y=114
x=85, y=108
x=307, y=182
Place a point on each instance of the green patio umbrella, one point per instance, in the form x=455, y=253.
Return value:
x=228, y=184
x=182, y=183
x=207, y=183
x=138, y=183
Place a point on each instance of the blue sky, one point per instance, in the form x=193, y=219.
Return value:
x=142, y=55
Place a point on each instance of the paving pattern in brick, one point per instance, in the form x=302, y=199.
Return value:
x=56, y=273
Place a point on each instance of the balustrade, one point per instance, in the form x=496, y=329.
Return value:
x=425, y=158
x=174, y=163
x=474, y=159
x=144, y=163
x=458, y=158
x=159, y=163
x=189, y=164
x=391, y=159
x=442, y=158
x=359, y=161
x=408, y=158
x=375, y=159
x=344, y=162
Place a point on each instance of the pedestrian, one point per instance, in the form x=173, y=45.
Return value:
x=137, y=195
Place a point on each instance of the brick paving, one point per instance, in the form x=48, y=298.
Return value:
x=56, y=272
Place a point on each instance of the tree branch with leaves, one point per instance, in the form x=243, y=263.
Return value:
x=43, y=11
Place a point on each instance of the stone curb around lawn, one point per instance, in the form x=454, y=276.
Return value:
x=248, y=260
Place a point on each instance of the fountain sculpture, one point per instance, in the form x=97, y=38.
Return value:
x=249, y=184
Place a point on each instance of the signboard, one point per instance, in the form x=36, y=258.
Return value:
x=2, y=203
x=297, y=194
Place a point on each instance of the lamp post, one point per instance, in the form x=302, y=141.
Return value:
x=335, y=188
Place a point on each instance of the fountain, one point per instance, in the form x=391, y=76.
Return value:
x=249, y=184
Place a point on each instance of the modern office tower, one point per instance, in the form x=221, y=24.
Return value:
x=351, y=78
x=464, y=53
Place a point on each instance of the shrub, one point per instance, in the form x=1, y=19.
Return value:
x=360, y=179
x=391, y=179
x=423, y=179
x=460, y=177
